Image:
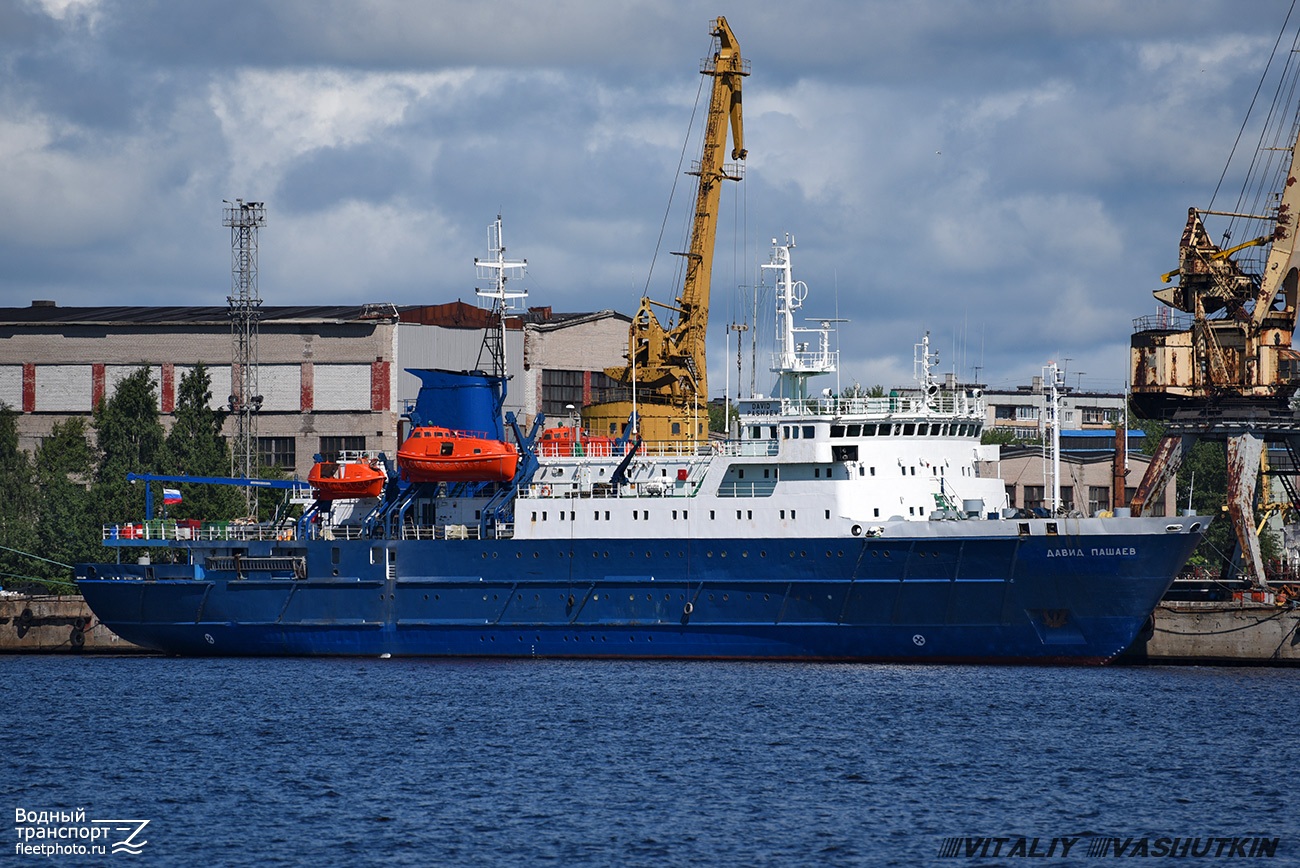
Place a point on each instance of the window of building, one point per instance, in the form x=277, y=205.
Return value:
x=1026, y=413
x=1098, y=415
x=603, y=388
x=332, y=447
x=1067, y=497
x=277, y=452
x=1004, y=411
x=1011, y=496
x=1098, y=498
x=1034, y=497
x=560, y=389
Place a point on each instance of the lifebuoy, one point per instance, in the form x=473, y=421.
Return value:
x=546, y=491
x=856, y=530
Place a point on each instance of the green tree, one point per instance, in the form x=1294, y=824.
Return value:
x=195, y=446
x=67, y=529
x=1000, y=436
x=17, y=506
x=716, y=423
x=129, y=438
x=1203, y=480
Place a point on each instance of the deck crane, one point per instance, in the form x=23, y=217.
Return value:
x=667, y=367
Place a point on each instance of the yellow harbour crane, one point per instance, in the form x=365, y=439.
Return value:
x=665, y=379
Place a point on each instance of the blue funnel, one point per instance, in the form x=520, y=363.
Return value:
x=462, y=400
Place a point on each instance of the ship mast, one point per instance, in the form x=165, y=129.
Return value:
x=498, y=270
x=794, y=361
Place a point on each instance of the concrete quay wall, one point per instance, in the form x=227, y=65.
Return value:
x=55, y=624
x=1234, y=632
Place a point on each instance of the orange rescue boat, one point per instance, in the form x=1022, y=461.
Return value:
x=339, y=480
x=433, y=454
x=565, y=442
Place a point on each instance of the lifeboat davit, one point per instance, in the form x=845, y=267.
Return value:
x=433, y=454
x=339, y=480
x=566, y=442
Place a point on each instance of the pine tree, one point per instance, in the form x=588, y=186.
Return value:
x=129, y=438
x=67, y=528
x=195, y=446
x=17, y=506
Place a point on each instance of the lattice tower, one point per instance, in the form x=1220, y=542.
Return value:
x=244, y=310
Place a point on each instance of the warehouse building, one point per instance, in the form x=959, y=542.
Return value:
x=332, y=378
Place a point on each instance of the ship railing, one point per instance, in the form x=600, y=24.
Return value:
x=600, y=490
x=745, y=488
x=751, y=448
x=165, y=530
x=942, y=403
x=340, y=531
x=356, y=456
x=440, y=531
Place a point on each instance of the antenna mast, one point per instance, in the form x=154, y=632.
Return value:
x=498, y=270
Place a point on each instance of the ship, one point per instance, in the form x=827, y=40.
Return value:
x=827, y=527
x=823, y=526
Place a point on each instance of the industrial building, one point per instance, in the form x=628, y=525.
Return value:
x=1087, y=474
x=1023, y=410
x=331, y=378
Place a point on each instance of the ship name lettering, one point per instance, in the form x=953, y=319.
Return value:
x=1126, y=552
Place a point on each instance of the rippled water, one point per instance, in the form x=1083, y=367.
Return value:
x=428, y=762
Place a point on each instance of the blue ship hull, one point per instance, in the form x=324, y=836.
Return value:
x=975, y=599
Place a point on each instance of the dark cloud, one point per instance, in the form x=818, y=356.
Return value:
x=1012, y=176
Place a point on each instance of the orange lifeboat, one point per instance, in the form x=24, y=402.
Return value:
x=566, y=442
x=338, y=480
x=433, y=454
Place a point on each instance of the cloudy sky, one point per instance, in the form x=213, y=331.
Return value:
x=1012, y=175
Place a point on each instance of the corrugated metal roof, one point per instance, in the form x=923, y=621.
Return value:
x=49, y=314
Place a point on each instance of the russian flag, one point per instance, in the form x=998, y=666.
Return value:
x=171, y=495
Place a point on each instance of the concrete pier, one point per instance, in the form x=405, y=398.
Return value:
x=1236, y=632
x=56, y=624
